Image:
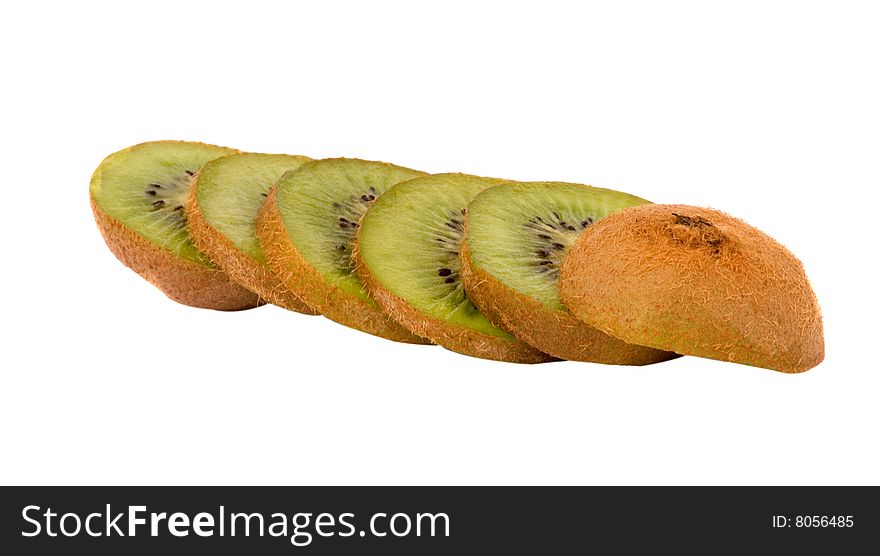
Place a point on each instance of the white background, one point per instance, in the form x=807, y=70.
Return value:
x=767, y=110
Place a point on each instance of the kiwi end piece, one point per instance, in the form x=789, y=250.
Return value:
x=516, y=238
x=221, y=212
x=138, y=197
x=306, y=228
x=698, y=282
x=408, y=258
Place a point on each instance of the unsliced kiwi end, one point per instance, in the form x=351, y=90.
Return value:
x=698, y=282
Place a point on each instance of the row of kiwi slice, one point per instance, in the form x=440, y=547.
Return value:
x=497, y=269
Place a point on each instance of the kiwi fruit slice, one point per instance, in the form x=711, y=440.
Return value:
x=138, y=197
x=516, y=238
x=408, y=258
x=224, y=199
x=695, y=281
x=306, y=227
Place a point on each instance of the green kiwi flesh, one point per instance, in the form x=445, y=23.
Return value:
x=145, y=188
x=307, y=229
x=222, y=209
x=408, y=256
x=521, y=233
x=321, y=206
x=138, y=197
x=517, y=236
x=231, y=189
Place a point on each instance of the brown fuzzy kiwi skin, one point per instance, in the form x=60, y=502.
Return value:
x=300, y=277
x=183, y=281
x=557, y=333
x=454, y=338
x=695, y=281
x=241, y=267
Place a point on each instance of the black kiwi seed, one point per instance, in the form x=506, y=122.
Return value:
x=164, y=198
x=449, y=238
x=550, y=236
x=350, y=211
